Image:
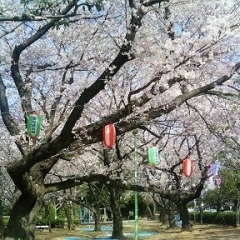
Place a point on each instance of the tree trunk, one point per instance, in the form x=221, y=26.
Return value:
x=170, y=209
x=167, y=213
x=237, y=213
x=184, y=216
x=1, y=219
x=171, y=218
x=48, y=216
x=68, y=214
x=149, y=213
x=21, y=225
x=117, y=215
x=97, y=216
x=163, y=217
x=1, y=206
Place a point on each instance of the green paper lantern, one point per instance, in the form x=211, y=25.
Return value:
x=153, y=156
x=34, y=123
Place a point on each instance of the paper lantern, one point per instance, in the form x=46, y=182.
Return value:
x=210, y=184
x=218, y=181
x=34, y=123
x=153, y=156
x=214, y=168
x=188, y=167
x=109, y=135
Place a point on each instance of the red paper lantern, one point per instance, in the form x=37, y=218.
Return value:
x=109, y=135
x=188, y=167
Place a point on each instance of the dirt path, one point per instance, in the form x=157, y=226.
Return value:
x=200, y=232
x=204, y=232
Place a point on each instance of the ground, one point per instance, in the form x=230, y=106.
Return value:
x=199, y=232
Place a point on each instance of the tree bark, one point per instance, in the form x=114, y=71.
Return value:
x=48, y=215
x=184, y=216
x=150, y=214
x=21, y=225
x=97, y=225
x=68, y=214
x=170, y=210
x=171, y=218
x=115, y=194
x=237, y=213
x=167, y=210
x=1, y=219
x=1, y=206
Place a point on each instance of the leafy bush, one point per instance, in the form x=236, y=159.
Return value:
x=226, y=218
x=76, y=221
x=221, y=218
x=56, y=223
x=5, y=220
x=42, y=221
x=209, y=217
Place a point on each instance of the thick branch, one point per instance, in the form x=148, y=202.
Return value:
x=94, y=130
x=185, y=195
x=125, y=54
x=10, y=124
x=25, y=94
x=32, y=18
x=53, y=187
x=148, y=3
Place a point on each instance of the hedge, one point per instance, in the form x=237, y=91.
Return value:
x=221, y=218
x=56, y=223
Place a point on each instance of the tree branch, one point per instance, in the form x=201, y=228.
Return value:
x=8, y=120
x=125, y=54
x=53, y=187
x=148, y=3
x=25, y=93
x=94, y=130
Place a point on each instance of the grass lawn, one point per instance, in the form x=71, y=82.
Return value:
x=203, y=232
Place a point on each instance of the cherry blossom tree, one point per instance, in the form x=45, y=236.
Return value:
x=83, y=64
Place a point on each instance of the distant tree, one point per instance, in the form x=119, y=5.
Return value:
x=230, y=189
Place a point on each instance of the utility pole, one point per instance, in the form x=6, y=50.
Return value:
x=1, y=204
x=136, y=182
